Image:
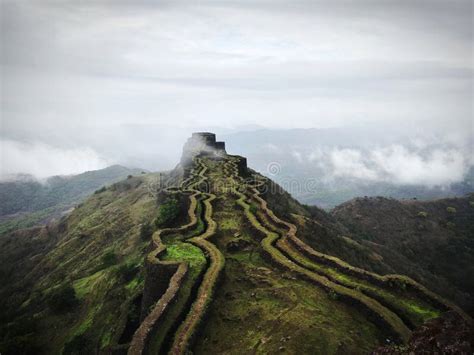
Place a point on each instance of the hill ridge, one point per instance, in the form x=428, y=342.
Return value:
x=281, y=255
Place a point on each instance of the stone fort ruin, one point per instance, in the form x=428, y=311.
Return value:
x=202, y=143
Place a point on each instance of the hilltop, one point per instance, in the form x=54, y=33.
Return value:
x=211, y=257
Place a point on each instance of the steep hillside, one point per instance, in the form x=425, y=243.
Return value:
x=74, y=284
x=431, y=241
x=211, y=258
x=27, y=202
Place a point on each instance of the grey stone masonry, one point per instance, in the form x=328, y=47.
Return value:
x=201, y=143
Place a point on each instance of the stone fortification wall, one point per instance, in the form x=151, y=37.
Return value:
x=201, y=143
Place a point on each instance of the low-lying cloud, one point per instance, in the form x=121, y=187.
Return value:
x=397, y=164
x=42, y=160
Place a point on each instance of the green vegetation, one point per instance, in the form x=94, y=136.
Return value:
x=257, y=305
x=85, y=251
x=186, y=332
x=84, y=286
x=27, y=220
x=128, y=271
x=167, y=213
x=253, y=208
x=431, y=251
x=451, y=210
x=102, y=189
x=80, y=344
x=109, y=259
x=63, y=299
x=185, y=252
x=146, y=231
x=27, y=202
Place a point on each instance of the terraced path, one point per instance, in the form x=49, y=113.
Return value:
x=378, y=295
x=393, y=302
x=145, y=338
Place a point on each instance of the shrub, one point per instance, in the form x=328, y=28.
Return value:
x=80, y=344
x=253, y=209
x=450, y=210
x=63, y=299
x=127, y=271
x=24, y=344
x=167, y=213
x=146, y=231
x=422, y=214
x=333, y=295
x=109, y=259
x=102, y=189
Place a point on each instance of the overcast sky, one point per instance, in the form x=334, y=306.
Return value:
x=105, y=79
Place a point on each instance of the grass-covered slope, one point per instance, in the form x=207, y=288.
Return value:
x=75, y=285
x=432, y=242
x=27, y=202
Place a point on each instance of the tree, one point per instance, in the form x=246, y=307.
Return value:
x=146, y=231
x=451, y=210
x=63, y=299
x=127, y=271
x=109, y=259
x=167, y=213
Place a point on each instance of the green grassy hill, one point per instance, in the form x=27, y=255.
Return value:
x=211, y=258
x=27, y=202
x=431, y=241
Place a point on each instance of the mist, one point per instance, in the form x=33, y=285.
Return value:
x=398, y=165
x=41, y=160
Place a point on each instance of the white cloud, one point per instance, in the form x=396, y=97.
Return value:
x=439, y=167
x=397, y=164
x=297, y=155
x=349, y=163
x=332, y=63
x=42, y=160
x=272, y=148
